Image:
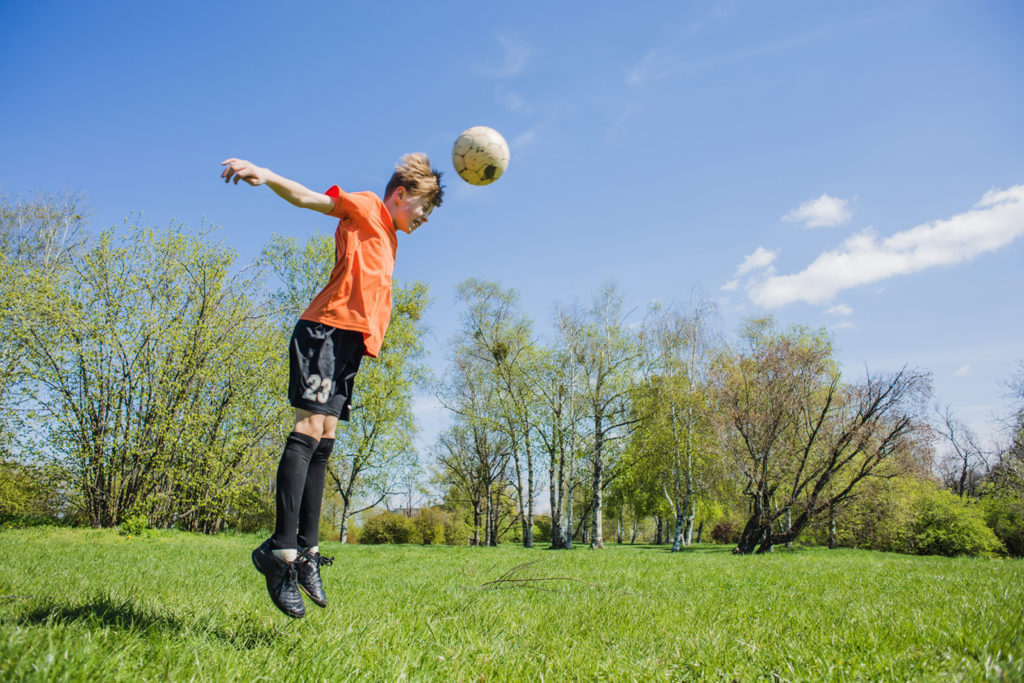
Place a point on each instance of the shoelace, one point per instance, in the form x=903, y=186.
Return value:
x=323, y=561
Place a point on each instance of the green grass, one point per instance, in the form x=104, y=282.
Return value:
x=92, y=605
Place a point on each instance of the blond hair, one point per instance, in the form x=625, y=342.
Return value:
x=413, y=172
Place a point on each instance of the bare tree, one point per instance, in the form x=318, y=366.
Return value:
x=963, y=469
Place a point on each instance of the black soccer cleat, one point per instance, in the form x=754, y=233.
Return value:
x=281, y=580
x=309, y=575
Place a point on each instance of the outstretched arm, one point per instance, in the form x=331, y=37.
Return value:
x=289, y=190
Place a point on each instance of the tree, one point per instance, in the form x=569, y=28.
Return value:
x=801, y=439
x=374, y=451
x=146, y=359
x=37, y=239
x=675, y=408
x=962, y=469
x=499, y=337
x=473, y=454
x=607, y=357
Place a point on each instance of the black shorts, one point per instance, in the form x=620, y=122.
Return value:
x=323, y=362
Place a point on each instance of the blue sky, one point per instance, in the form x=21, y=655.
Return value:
x=858, y=166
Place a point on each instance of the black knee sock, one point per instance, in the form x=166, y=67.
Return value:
x=291, y=479
x=313, y=495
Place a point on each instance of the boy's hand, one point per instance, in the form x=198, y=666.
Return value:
x=240, y=169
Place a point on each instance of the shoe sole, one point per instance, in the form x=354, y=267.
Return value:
x=313, y=597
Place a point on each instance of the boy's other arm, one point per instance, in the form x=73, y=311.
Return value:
x=289, y=190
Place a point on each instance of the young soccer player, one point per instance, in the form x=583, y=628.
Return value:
x=345, y=321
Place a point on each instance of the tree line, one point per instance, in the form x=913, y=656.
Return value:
x=144, y=374
x=629, y=417
x=144, y=371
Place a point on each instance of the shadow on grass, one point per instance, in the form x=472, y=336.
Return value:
x=124, y=615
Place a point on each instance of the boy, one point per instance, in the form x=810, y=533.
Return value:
x=345, y=321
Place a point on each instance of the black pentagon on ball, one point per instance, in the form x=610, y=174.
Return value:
x=490, y=171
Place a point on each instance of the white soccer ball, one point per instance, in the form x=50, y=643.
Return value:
x=480, y=155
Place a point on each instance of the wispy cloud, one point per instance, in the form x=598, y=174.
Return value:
x=511, y=99
x=760, y=259
x=825, y=211
x=840, y=310
x=963, y=371
x=516, y=54
x=863, y=259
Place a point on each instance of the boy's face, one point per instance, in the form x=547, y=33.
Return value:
x=409, y=212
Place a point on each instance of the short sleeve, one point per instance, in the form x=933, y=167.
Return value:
x=353, y=208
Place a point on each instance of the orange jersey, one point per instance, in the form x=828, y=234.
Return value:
x=358, y=295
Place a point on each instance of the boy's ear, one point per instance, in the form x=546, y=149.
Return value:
x=399, y=193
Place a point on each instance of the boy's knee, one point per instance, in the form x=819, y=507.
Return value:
x=329, y=428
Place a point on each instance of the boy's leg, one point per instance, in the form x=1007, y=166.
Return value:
x=291, y=481
x=313, y=493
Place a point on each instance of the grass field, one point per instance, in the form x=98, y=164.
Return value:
x=80, y=604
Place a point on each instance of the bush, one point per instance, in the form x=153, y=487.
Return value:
x=1005, y=516
x=387, y=527
x=946, y=525
x=542, y=528
x=252, y=511
x=726, y=531
x=429, y=524
x=135, y=525
x=455, y=531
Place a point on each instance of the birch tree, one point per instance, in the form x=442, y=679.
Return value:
x=607, y=356
x=676, y=413
x=499, y=336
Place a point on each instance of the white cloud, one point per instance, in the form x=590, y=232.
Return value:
x=863, y=259
x=761, y=258
x=963, y=371
x=516, y=54
x=731, y=286
x=840, y=309
x=825, y=211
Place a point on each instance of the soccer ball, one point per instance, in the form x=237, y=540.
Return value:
x=480, y=155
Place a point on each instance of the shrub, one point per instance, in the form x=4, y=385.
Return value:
x=455, y=531
x=726, y=531
x=1005, y=516
x=134, y=525
x=387, y=527
x=252, y=511
x=542, y=528
x=429, y=524
x=946, y=525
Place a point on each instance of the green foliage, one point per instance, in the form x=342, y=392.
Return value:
x=28, y=490
x=542, y=528
x=429, y=524
x=134, y=525
x=944, y=524
x=1004, y=514
x=387, y=527
x=252, y=511
x=144, y=363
